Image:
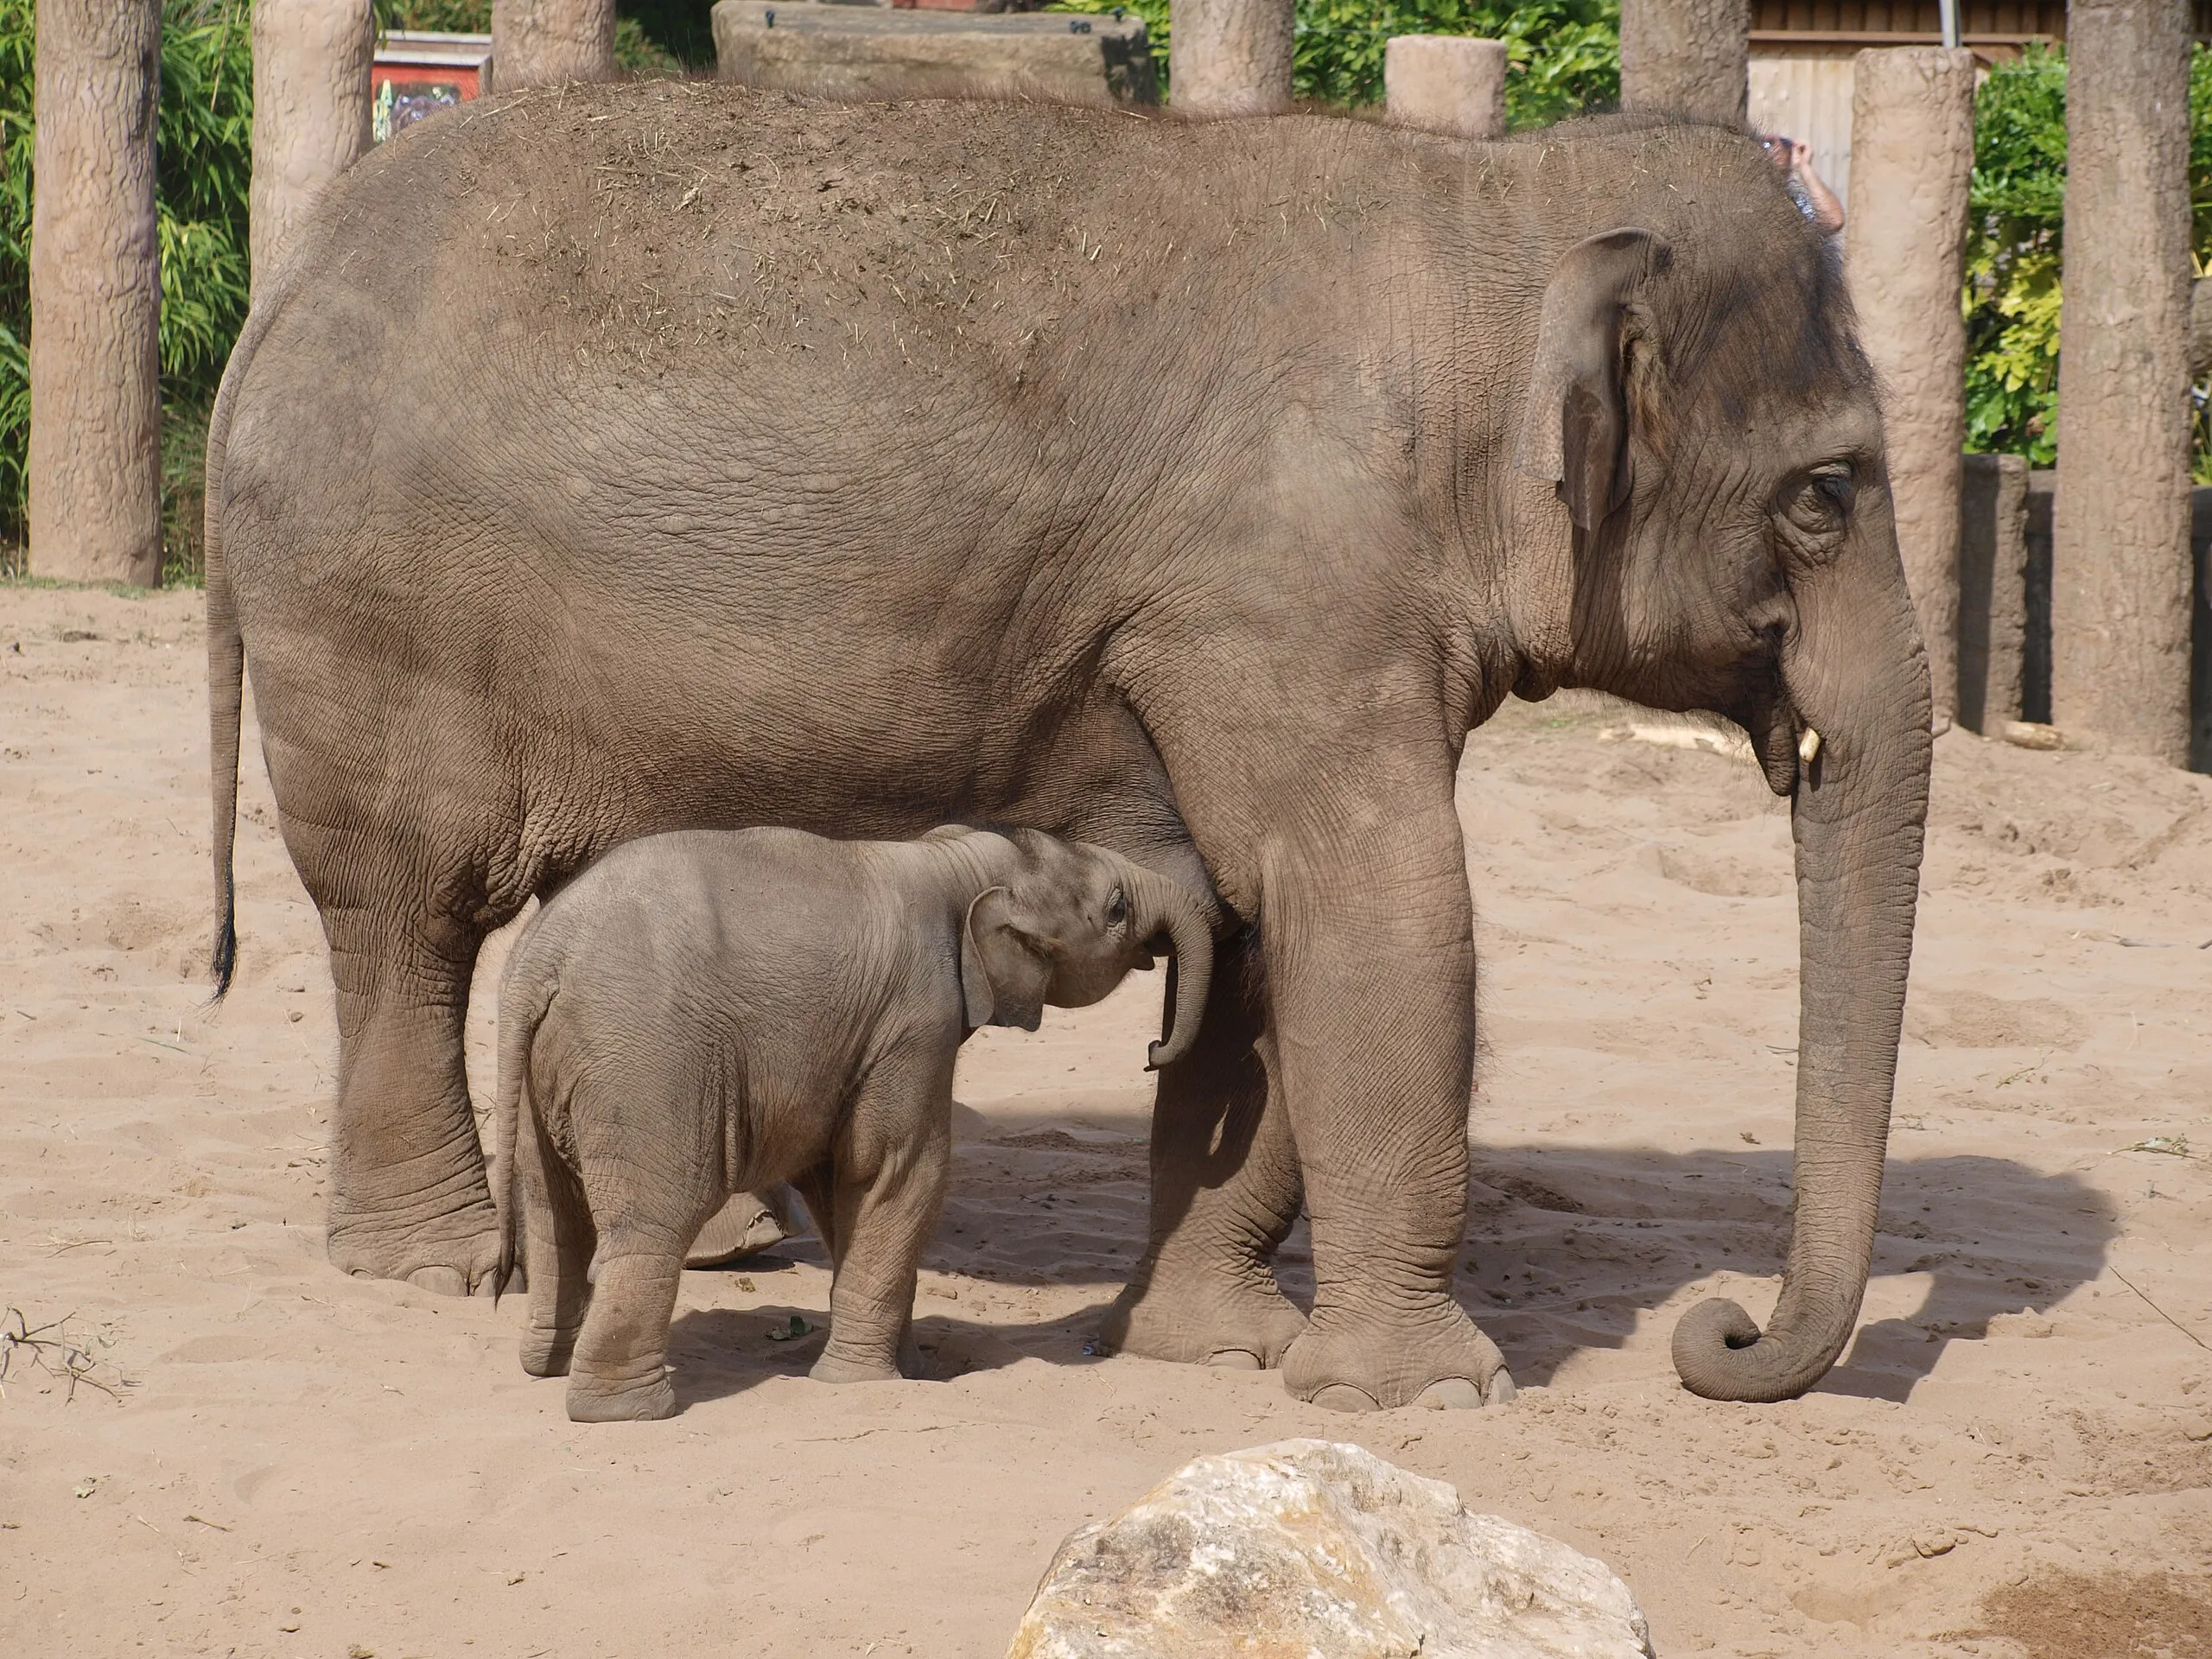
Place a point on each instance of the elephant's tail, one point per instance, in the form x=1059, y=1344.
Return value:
x=226, y=693
x=226, y=649
x=525, y=996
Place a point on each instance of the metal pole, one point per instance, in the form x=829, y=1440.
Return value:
x=1949, y=11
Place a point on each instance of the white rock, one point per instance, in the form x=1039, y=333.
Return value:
x=1309, y=1549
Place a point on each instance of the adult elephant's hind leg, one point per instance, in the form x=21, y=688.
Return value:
x=1224, y=1192
x=408, y=1196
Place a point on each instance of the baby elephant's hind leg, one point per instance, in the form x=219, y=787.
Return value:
x=556, y=1254
x=893, y=1162
x=620, y=1373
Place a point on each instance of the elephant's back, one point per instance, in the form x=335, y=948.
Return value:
x=763, y=944
x=719, y=910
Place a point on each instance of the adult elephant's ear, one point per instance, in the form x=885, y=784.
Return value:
x=1004, y=973
x=1575, y=432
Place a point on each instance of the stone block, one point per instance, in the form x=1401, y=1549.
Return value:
x=1446, y=83
x=1308, y=1547
x=867, y=52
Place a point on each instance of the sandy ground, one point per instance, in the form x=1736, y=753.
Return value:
x=2016, y=1456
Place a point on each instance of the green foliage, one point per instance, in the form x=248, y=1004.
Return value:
x=204, y=167
x=637, y=53
x=2012, y=258
x=2015, y=248
x=435, y=16
x=679, y=34
x=1564, y=55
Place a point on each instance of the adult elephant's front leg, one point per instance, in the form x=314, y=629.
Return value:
x=1224, y=1190
x=1371, y=972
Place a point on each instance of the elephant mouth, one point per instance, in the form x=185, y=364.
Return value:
x=1780, y=737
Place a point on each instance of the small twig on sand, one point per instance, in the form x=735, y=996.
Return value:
x=2161, y=1312
x=19, y=1336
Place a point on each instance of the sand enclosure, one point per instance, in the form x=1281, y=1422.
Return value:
x=302, y=1465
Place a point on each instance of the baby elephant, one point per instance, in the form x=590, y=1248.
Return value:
x=706, y=1012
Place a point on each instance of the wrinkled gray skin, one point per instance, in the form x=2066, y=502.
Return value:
x=645, y=457
x=705, y=1011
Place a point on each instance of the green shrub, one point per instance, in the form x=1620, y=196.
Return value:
x=1563, y=56
x=2015, y=244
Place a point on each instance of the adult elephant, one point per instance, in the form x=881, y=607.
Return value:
x=614, y=458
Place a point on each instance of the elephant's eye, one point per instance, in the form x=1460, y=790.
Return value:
x=1823, y=501
x=1117, y=909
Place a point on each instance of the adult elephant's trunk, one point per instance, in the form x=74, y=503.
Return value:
x=1162, y=906
x=1855, y=673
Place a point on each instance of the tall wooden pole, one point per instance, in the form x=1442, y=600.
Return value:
x=1904, y=240
x=95, y=452
x=546, y=43
x=1685, y=57
x=311, y=62
x=2120, y=554
x=1230, y=57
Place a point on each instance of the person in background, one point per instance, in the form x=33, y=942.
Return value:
x=1813, y=198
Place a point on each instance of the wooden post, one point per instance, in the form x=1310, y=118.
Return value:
x=1446, y=83
x=1685, y=57
x=2119, y=599
x=1911, y=163
x=95, y=452
x=548, y=42
x=311, y=62
x=1230, y=57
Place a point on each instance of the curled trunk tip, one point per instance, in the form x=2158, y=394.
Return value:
x=1168, y=905
x=1720, y=1353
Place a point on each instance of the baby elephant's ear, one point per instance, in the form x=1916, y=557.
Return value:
x=1003, y=975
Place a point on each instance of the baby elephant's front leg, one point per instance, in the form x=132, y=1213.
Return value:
x=892, y=1163
x=620, y=1371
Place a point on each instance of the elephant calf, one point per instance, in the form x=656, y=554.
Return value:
x=705, y=1012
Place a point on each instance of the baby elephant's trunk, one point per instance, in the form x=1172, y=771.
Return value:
x=1163, y=905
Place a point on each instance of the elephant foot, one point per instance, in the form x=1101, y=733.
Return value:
x=1241, y=1325
x=838, y=1367
x=591, y=1401
x=1441, y=1363
x=745, y=1226
x=455, y=1253
x=547, y=1353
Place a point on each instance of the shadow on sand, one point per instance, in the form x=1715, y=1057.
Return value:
x=1570, y=1245
x=1567, y=1249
